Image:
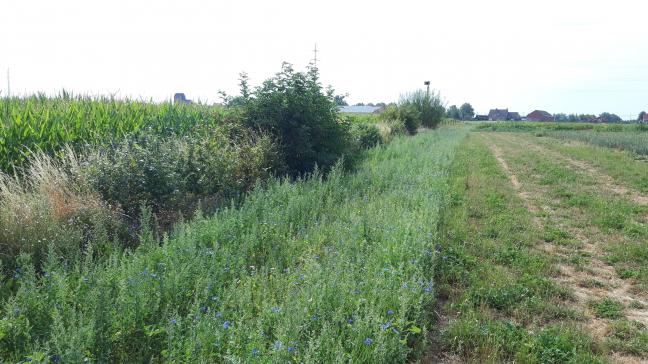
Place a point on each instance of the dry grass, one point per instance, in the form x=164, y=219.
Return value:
x=47, y=206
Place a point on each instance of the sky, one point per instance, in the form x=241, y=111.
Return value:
x=568, y=56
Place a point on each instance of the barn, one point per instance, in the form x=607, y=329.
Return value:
x=540, y=115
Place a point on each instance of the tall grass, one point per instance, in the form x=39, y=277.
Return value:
x=633, y=141
x=428, y=106
x=50, y=208
x=48, y=124
x=540, y=126
x=321, y=270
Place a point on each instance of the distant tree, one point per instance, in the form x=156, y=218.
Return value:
x=381, y=104
x=573, y=118
x=359, y=104
x=453, y=112
x=641, y=116
x=466, y=111
x=607, y=117
x=340, y=101
x=561, y=117
x=585, y=118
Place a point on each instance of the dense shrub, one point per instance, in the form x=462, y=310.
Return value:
x=428, y=105
x=66, y=203
x=410, y=116
x=173, y=174
x=304, y=119
x=366, y=135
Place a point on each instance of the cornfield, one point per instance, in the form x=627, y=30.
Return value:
x=48, y=124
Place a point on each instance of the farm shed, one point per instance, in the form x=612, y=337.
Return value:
x=540, y=115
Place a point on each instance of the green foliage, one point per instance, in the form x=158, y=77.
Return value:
x=411, y=117
x=630, y=337
x=607, y=308
x=467, y=111
x=319, y=270
x=50, y=124
x=453, y=112
x=560, y=344
x=70, y=202
x=294, y=109
x=366, y=135
x=607, y=117
x=633, y=141
x=630, y=137
x=174, y=174
x=497, y=286
x=428, y=106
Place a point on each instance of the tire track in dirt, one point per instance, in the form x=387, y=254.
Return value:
x=612, y=286
x=524, y=196
x=605, y=180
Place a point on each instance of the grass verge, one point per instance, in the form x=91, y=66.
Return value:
x=499, y=296
x=321, y=270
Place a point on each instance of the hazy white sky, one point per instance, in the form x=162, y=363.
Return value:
x=559, y=55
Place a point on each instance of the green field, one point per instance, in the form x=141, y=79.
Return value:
x=48, y=124
x=319, y=271
x=162, y=233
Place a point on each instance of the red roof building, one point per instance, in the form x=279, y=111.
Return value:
x=540, y=115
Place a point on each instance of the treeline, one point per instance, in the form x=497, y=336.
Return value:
x=464, y=112
x=588, y=118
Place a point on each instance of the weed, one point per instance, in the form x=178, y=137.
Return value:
x=607, y=308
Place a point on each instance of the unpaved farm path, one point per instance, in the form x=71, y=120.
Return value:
x=596, y=280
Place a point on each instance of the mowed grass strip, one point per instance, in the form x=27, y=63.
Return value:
x=625, y=167
x=500, y=300
x=319, y=270
x=578, y=201
x=603, y=236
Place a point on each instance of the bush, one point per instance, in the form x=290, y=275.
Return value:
x=65, y=204
x=428, y=105
x=411, y=118
x=177, y=175
x=294, y=109
x=366, y=135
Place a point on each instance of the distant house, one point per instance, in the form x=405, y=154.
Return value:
x=644, y=118
x=481, y=117
x=540, y=115
x=503, y=115
x=180, y=98
x=498, y=114
x=360, y=109
x=514, y=116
